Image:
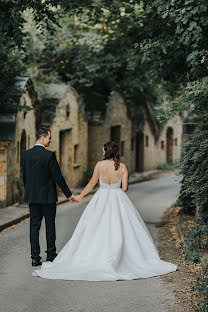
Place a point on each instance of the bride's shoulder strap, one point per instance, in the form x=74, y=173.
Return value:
x=99, y=162
x=122, y=170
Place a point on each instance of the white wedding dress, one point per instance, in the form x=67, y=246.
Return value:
x=110, y=242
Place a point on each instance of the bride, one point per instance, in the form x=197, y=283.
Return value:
x=111, y=241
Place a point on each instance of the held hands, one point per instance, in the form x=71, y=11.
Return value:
x=75, y=199
x=78, y=197
x=72, y=199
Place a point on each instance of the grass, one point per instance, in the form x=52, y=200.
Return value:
x=167, y=166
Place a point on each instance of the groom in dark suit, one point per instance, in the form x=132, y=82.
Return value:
x=41, y=172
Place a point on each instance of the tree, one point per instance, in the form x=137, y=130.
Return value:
x=177, y=50
x=94, y=50
x=11, y=39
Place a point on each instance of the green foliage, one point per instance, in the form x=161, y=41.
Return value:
x=175, y=49
x=168, y=166
x=194, y=191
x=194, y=163
x=199, y=289
x=11, y=39
x=195, y=98
x=11, y=65
x=94, y=51
x=185, y=198
x=178, y=43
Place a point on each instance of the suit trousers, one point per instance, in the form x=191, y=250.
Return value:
x=37, y=211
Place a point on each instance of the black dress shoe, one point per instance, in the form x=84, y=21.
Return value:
x=36, y=262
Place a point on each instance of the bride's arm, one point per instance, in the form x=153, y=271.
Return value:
x=125, y=179
x=91, y=183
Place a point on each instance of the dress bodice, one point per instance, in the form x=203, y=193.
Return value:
x=116, y=185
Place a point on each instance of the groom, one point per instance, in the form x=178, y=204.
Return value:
x=41, y=172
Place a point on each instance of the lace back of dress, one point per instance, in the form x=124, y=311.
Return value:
x=115, y=185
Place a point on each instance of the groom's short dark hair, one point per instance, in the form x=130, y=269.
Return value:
x=43, y=131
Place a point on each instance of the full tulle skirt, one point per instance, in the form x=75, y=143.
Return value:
x=110, y=242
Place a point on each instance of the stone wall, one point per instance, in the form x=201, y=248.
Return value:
x=25, y=131
x=3, y=173
x=23, y=138
x=155, y=153
x=144, y=147
x=69, y=138
x=78, y=138
x=100, y=130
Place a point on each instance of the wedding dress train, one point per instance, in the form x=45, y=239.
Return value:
x=110, y=242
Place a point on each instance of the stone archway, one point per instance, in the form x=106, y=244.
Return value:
x=169, y=145
x=139, y=152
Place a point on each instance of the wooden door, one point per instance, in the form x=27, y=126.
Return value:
x=139, y=152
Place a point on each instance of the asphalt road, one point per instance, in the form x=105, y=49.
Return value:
x=20, y=291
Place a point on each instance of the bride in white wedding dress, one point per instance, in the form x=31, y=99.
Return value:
x=111, y=241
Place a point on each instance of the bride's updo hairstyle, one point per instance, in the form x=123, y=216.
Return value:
x=111, y=151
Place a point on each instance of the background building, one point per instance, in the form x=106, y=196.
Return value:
x=78, y=135
x=17, y=133
x=62, y=111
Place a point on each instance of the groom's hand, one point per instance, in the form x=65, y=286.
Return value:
x=73, y=199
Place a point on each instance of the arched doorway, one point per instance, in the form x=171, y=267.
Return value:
x=169, y=145
x=139, y=151
x=65, y=153
x=23, y=143
x=20, y=181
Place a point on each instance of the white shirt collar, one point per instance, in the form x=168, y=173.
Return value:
x=40, y=144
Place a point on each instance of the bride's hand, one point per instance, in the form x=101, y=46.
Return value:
x=78, y=197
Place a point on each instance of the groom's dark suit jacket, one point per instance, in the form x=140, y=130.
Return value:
x=41, y=172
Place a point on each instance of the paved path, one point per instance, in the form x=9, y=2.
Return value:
x=20, y=291
x=16, y=212
x=153, y=197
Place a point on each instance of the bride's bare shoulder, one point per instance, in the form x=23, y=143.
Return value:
x=124, y=165
x=100, y=162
